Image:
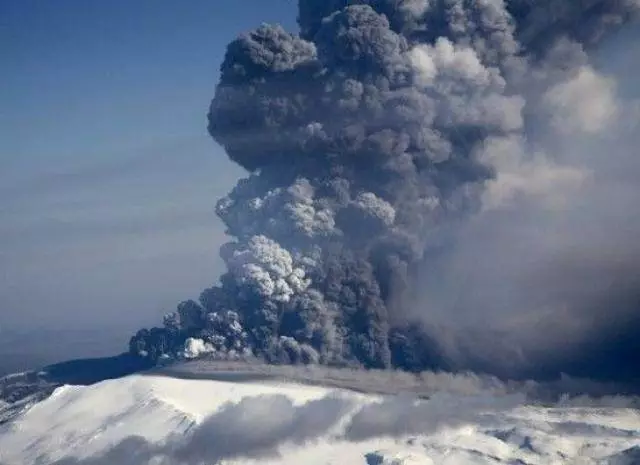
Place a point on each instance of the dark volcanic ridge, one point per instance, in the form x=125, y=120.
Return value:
x=20, y=391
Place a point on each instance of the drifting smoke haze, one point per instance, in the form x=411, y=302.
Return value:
x=439, y=184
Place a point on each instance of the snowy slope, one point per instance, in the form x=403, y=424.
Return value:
x=161, y=420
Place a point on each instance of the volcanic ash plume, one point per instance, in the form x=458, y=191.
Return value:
x=371, y=139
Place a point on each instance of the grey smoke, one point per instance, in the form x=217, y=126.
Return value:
x=554, y=277
x=432, y=185
x=255, y=427
x=134, y=450
x=399, y=417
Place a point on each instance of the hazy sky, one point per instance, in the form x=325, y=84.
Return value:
x=108, y=178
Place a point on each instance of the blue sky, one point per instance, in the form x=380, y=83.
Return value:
x=108, y=178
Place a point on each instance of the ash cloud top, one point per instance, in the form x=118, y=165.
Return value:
x=417, y=172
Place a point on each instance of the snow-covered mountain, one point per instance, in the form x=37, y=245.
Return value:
x=160, y=419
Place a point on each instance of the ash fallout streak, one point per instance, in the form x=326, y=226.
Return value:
x=426, y=190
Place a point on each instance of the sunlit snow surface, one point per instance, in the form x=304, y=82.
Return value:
x=155, y=419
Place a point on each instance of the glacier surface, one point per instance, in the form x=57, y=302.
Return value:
x=160, y=420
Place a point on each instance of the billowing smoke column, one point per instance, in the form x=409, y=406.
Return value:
x=368, y=138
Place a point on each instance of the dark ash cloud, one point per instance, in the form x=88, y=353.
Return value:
x=430, y=185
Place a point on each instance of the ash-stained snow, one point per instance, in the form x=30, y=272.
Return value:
x=161, y=420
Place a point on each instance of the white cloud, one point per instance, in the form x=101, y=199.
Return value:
x=266, y=267
x=531, y=176
x=585, y=103
x=446, y=58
